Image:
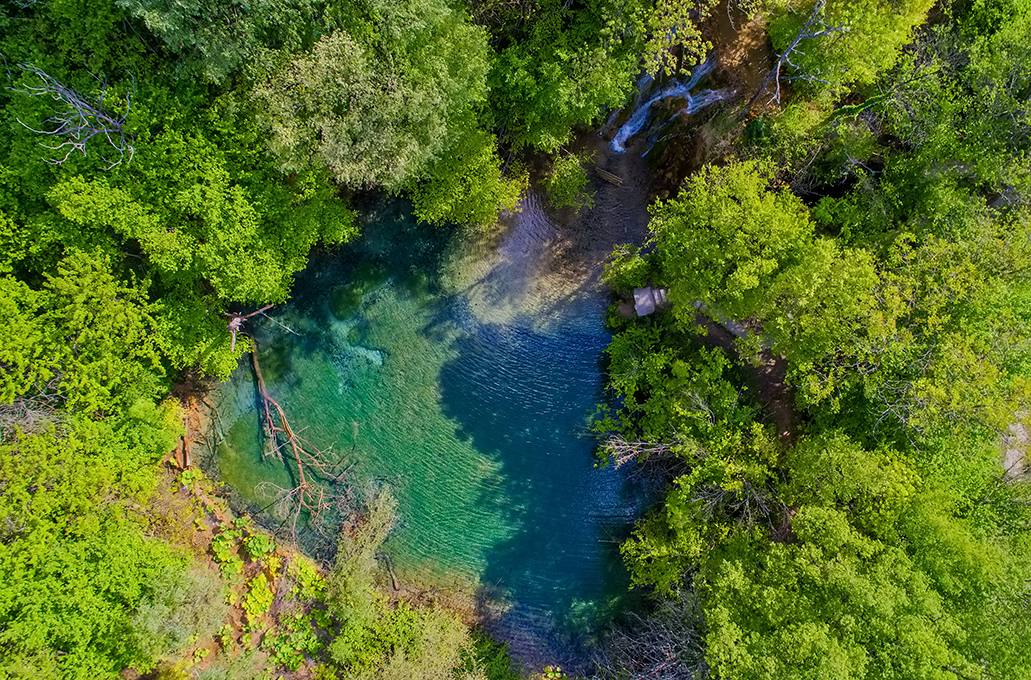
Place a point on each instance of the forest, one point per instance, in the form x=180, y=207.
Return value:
x=834, y=400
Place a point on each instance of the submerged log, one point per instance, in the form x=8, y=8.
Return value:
x=390, y=569
x=313, y=494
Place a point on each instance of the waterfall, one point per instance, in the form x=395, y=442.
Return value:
x=674, y=88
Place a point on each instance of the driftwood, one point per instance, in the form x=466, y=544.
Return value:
x=314, y=496
x=608, y=176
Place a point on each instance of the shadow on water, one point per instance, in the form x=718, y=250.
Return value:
x=525, y=399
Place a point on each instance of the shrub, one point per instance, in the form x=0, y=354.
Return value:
x=567, y=182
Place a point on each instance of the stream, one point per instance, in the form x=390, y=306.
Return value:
x=462, y=370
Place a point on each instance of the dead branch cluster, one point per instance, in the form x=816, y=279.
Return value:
x=814, y=27
x=28, y=416
x=80, y=120
x=317, y=497
x=668, y=644
x=748, y=504
x=621, y=451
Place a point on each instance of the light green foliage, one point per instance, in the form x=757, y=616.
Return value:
x=957, y=99
x=260, y=546
x=377, y=109
x=567, y=183
x=74, y=564
x=749, y=251
x=675, y=42
x=927, y=347
x=185, y=606
x=85, y=340
x=876, y=31
x=310, y=584
x=728, y=492
x=288, y=645
x=21, y=349
x=835, y=558
x=225, y=548
x=568, y=67
x=690, y=398
x=876, y=583
x=465, y=184
x=836, y=604
x=350, y=592
x=426, y=644
x=258, y=600
x=728, y=235
x=379, y=640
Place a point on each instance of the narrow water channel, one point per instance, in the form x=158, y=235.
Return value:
x=463, y=371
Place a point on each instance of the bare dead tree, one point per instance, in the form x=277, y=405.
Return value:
x=28, y=416
x=316, y=495
x=621, y=451
x=80, y=120
x=236, y=322
x=667, y=644
x=814, y=27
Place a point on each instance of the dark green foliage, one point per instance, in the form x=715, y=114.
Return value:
x=568, y=67
x=465, y=184
x=217, y=37
x=491, y=656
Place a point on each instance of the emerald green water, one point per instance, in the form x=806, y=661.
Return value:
x=461, y=378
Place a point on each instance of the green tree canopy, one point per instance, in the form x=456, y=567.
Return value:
x=377, y=106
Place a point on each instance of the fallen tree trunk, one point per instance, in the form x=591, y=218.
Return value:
x=315, y=497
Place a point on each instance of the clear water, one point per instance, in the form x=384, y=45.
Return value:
x=463, y=374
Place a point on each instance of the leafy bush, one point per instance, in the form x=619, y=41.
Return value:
x=288, y=645
x=258, y=600
x=259, y=546
x=310, y=584
x=225, y=548
x=567, y=182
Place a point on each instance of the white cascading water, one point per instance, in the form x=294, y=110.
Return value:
x=674, y=88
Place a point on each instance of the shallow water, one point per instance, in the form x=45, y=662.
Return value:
x=464, y=373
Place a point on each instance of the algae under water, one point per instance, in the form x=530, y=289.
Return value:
x=454, y=374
